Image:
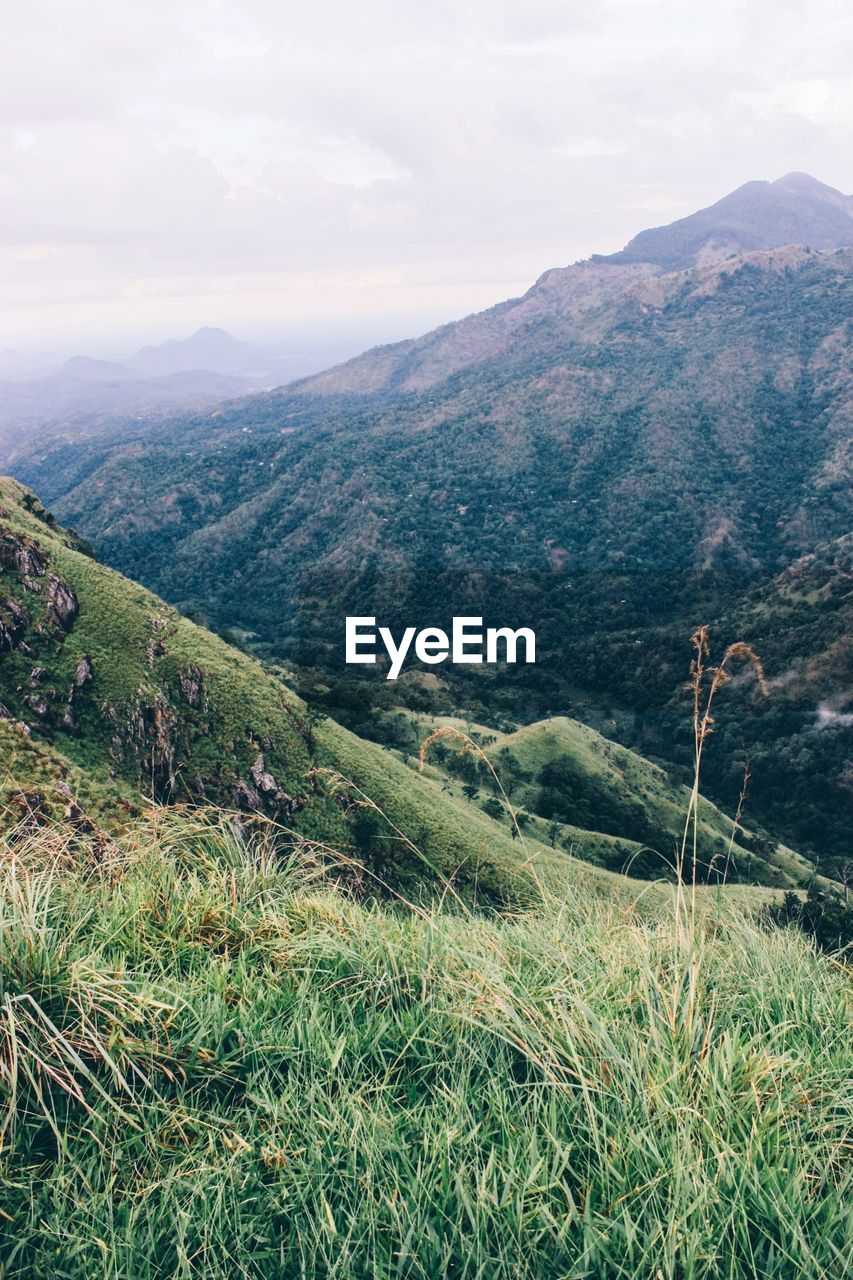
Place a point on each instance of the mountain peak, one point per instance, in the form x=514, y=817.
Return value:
x=208, y=348
x=797, y=180
x=794, y=209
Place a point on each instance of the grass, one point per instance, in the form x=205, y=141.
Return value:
x=621, y=780
x=216, y=1062
x=33, y=775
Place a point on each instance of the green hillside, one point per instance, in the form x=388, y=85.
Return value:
x=568, y=781
x=617, y=457
x=135, y=700
x=569, y=770
x=39, y=787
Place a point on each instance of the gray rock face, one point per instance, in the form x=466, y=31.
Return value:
x=84, y=673
x=263, y=791
x=62, y=606
x=22, y=555
x=37, y=704
x=191, y=685
x=14, y=621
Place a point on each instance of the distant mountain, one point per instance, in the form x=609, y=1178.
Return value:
x=86, y=395
x=15, y=365
x=796, y=209
x=615, y=457
x=89, y=370
x=208, y=348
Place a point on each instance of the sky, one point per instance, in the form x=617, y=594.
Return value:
x=336, y=168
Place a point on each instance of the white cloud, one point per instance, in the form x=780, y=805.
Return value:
x=188, y=161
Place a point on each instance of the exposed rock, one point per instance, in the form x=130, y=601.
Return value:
x=18, y=612
x=158, y=723
x=37, y=704
x=245, y=796
x=14, y=621
x=6, y=714
x=84, y=672
x=266, y=784
x=191, y=682
x=156, y=649
x=23, y=555
x=82, y=675
x=62, y=606
x=38, y=674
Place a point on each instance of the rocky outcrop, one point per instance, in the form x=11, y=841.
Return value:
x=192, y=684
x=268, y=787
x=14, y=621
x=263, y=792
x=83, y=674
x=37, y=703
x=62, y=606
x=22, y=555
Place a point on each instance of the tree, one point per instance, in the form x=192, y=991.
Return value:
x=493, y=808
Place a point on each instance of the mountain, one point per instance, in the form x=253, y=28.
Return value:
x=618, y=456
x=699, y=421
x=208, y=348
x=216, y=350
x=132, y=700
x=16, y=365
x=88, y=369
x=45, y=404
x=796, y=209
x=86, y=394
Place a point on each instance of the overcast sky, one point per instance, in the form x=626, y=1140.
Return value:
x=377, y=165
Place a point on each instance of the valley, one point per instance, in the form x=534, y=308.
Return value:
x=329, y=949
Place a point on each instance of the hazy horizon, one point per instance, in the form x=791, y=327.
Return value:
x=347, y=176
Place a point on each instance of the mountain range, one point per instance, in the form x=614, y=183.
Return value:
x=112, y=703
x=44, y=399
x=639, y=444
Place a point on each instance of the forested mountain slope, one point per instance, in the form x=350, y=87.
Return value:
x=626, y=452
x=107, y=696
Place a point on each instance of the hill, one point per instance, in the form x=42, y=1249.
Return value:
x=795, y=209
x=209, y=348
x=108, y=695
x=621, y=455
x=564, y=780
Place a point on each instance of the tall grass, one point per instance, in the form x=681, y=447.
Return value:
x=217, y=1064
